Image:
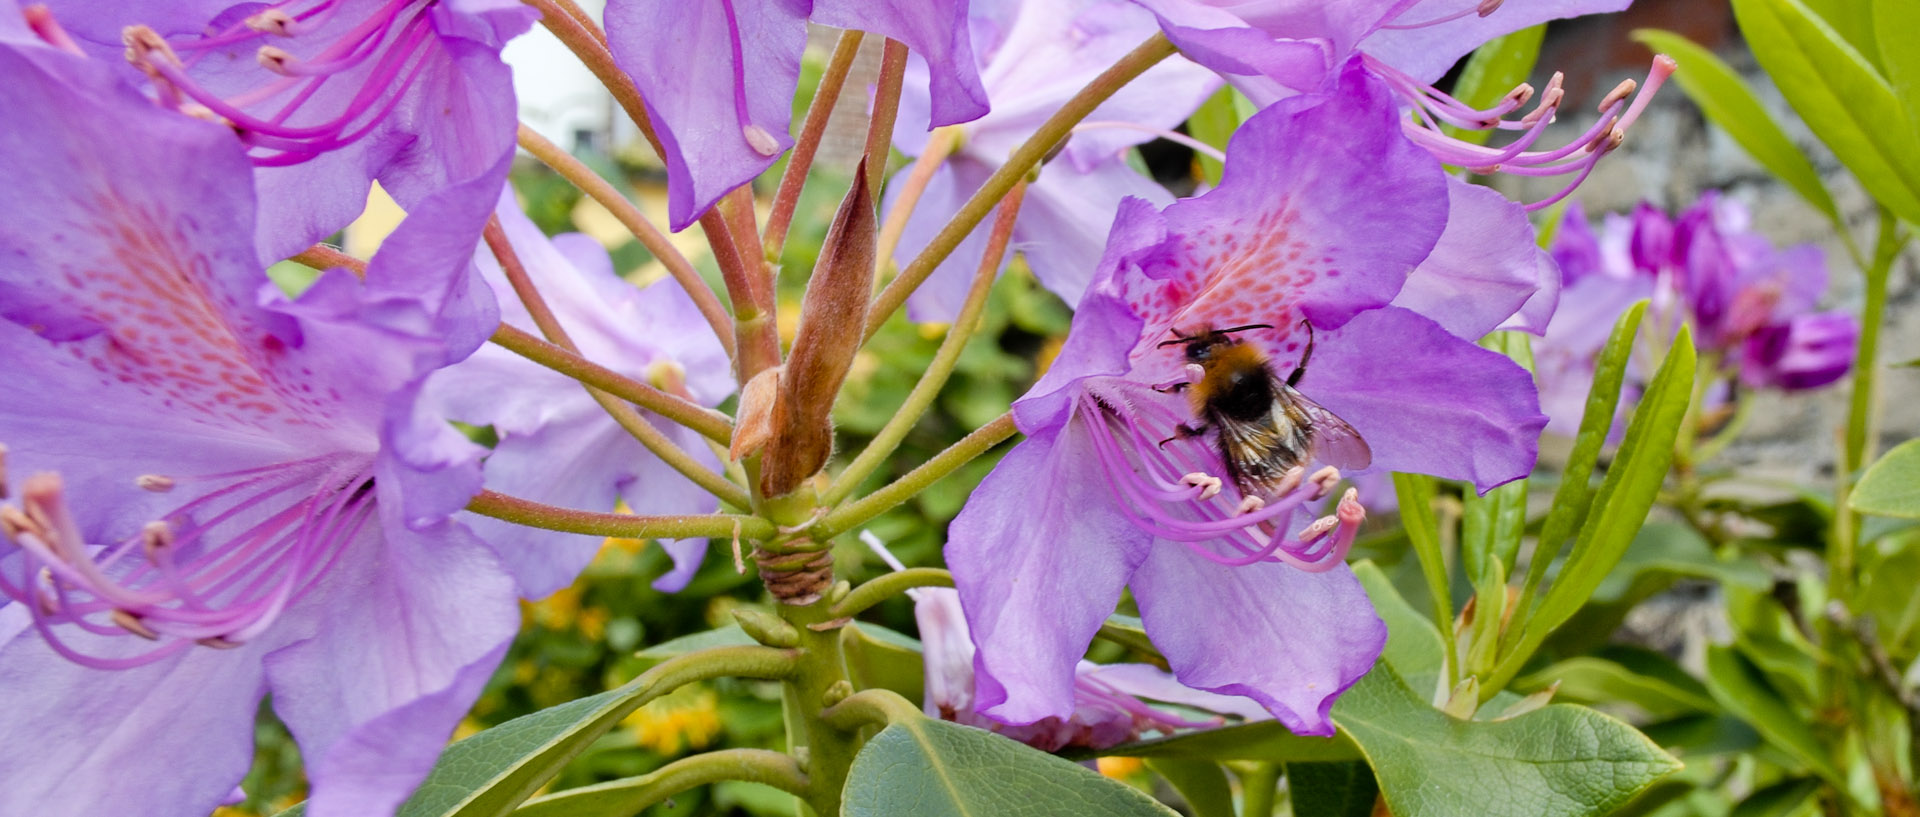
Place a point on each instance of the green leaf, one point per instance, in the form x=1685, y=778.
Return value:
x=1332, y=789
x=1202, y=783
x=1840, y=97
x=1571, y=500
x=1494, y=523
x=1894, y=22
x=1730, y=104
x=1264, y=741
x=1781, y=799
x=1854, y=20
x=1558, y=760
x=879, y=658
x=1739, y=687
x=1214, y=123
x=728, y=636
x=1493, y=70
x=1415, y=492
x=1414, y=646
x=1621, y=505
x=1891, y=487
x=931, y=768
x=1588, y=679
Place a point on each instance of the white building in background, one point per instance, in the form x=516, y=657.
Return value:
x=559, y=97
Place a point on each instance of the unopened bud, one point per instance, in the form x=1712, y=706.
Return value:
x=833, y=320
x=1465, y=699
x=839, y=691
x=767, y=629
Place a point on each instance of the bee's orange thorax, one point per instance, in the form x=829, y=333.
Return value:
x=1230, y=365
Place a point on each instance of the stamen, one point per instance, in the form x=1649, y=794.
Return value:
x=3, y=470
x=1208, y=484
x=40, y=19
x=157, y=483
x=1323, y=481
x=761, y=140
x=155, y=537
x=132, y=623
x=1249, y=504
x=275, y=59
x=272, y=21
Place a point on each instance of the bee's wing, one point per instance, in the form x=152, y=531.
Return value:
x=1334, y=441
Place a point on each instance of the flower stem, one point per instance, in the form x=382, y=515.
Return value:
x=749, y=281
x=622, y=412
x=602, y=191
x=625, y=526
x=1258, y=784
x=800, y=160
x=944, y=360
x=871, y=707
x=321, y=256
x=1862, y=404
x=940, y=145
x=856, y=513
x=886, y=110
x=578, y=32
x=889, y=585
x=631, y=795
x=806, y=696
x=1028, y=156
x=709, y=423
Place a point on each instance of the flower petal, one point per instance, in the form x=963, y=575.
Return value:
x=1289, y=639
x=1427, y=52
x=1039, y=557
x=1426, y=401
x=934, y=29
x=703, y=102
x=1484, y=268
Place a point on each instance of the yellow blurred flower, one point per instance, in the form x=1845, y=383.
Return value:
x=689, y=718
x=1121, y=768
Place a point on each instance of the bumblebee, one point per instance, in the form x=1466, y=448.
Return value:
x=1265, y=427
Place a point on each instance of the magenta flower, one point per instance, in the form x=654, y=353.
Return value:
x=246, y=500
x=1324, y=213
x=1751, y=306
x=556, y=444
x=1034, y=55
x=329, y=95
x=1273, y=49
x=719, y=78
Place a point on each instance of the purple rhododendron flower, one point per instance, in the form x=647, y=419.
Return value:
x=1109, y=707
x=1273, y=49
x=233, y=494
x=1324, y=214
x=1034, y=56
x=1751, y=305
x=719, y=77
x=330, y=95
x=556, y=444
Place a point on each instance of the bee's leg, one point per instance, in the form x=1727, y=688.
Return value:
x=1184, y=432
x=1174, y=387
x=1300, y=370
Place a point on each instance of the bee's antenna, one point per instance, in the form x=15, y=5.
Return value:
x=1244, y=328
x=1177, y=339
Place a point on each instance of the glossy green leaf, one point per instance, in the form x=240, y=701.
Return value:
x=1493, y=524
x=879, y=658
x=1214, y=123
x=1414, y=646
x=1894, y=23
x=728, y=636
x=1332, y=789
x=1415, y=492
x=1572, y=499
x=1854, y=20
x=1588, y=679
x=1891, y=487
x=1203, y=784
x=1558, y=760
x=1621, y=505
x=1264, y=741
x=1840, y=96
x=930, y=768
x=1731, y=105
x=1493, y=70
x=1739, y=687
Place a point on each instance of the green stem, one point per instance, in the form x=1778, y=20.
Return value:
x=821, y=670
x=321, y=256
x=621, y=411
x=1028, y=156
x=944, y=360
x=856, y=513
x=794, y=179
x=709, y=423
x=622, y=525
x=889, y=585
x=1259, y=784
x=631, y=795
x=1862, y=405
x=871, y=707
x=886, y=109
x=630, y=217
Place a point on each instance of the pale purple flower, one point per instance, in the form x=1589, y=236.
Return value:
x=329, y=95
x=1273, y=49
x=1034, y=56
x=1324, y=213
x=719, y=77
x=1805, y=352
x=556, y=444
x=230, y=493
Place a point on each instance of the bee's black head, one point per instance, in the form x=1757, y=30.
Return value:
x=1201, y=346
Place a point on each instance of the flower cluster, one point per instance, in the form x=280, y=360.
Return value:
x=1751, y=305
